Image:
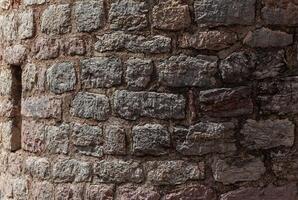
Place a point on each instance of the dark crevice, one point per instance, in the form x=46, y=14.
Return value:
x=16, y=96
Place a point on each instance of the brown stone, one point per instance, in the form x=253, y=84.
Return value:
x=136, y=192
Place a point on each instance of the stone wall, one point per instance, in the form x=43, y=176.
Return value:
x=148, y=100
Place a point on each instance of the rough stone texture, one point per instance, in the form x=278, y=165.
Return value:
x=61, y=77
x=217, y=12
x=89, y=15
x=135, y=192
x=271, y=192
x=15, y=55
x=128, y=15
x=150, y=139
x=191, y=192
x=101, y=72
x=42, y=107
x=211, y=40
x=204, y=138
x=230, y=171
x=132, y=105
x=118, y=171
x=138, y=73
x=117, y=41
x=226, y=102
x=267, y=134
x=173, y=172
x=56, y=19
x=171, y=15
x=148, y=100
x=182, y=71
x=280, y=12
x=88, y=139
x=90, y=106
x=265, y=38
x=68, y=170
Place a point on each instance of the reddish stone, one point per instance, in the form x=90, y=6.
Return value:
x=100, y=192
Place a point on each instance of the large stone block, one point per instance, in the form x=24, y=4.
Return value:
x=171, y=15
x=37, y=167
x=182, y=71
x=56, y=19
x=266, y=134
x=135, y=192
x=101, y=72
x=89, y=16
x=61, y=77
x=118, y=171
x=69, y=170
x=150, y=139
x=229, y=12
x=132, y=105
x=42, y=107
x=205, y=137
x=115, y=140
x=100, y=192
x=90, y=106
x=226, y=102
x=232, y=170
x=128, y=15
x=173, y=172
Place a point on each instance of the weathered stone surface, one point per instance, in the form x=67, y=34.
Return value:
x=56, y=19
x=128, y=15
x=101, y=72
x=57, y=138
x=100, y=192
x=8, y=27
x=5, y=4
x=150, y=139
x=191, y=192
x=226, y=102
x=34, y=2
x=6, y=108
x=33, y=79
x=280, y=12
x=10, y=136
x=138, y=73
x=37, y=167
x=279, y=96
x=231, y=170
x=33, y=136
x=205, y=137
x=43, y=190
x=15, y=55
x=90, y=106
x=88, y=139
x=118, y=171
x=211, y=40
x=237, y=67
x=42, y=107
x=5, y=81
x=173, y=172
x=136, y=192
x=266, y=134
x=171, y=15
x=69, y=191
x=26, y=24
x=132, y=105
x=68, y=170
x=182, y=70
x=115, y=140
x=46, y=48
x=266, y=38
x=270, y=192
x=61, y=77
x=230, y=12
x=74, y=46
x=118, y=41
x=89, y=15
x=285, y=165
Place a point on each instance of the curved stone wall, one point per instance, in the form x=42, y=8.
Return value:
x=148, y=99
